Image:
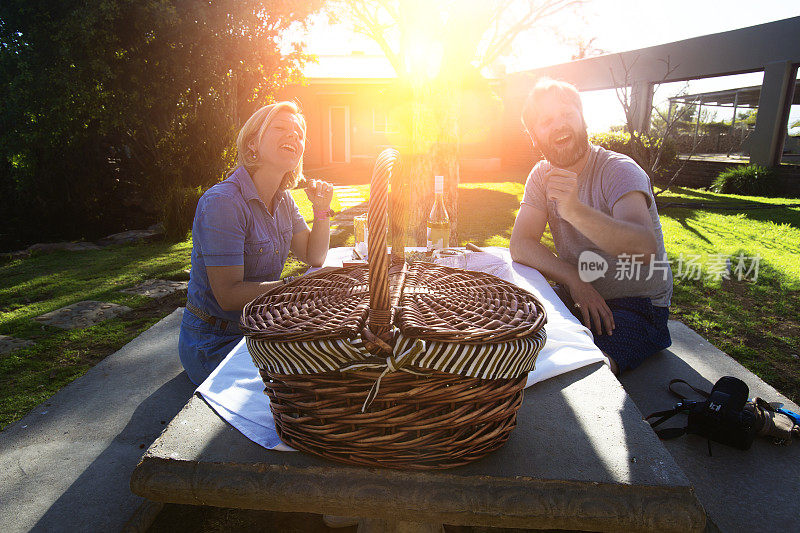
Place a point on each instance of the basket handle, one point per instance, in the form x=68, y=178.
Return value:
x=388, y=163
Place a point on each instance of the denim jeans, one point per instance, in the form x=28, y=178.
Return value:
x=203, y=346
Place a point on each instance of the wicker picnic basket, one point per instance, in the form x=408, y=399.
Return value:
x=392, y=364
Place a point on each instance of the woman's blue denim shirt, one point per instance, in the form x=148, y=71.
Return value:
x=232, y=226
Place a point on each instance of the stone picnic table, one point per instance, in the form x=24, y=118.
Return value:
x=580, y=458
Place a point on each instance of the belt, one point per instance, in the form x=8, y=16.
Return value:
x=205, y=317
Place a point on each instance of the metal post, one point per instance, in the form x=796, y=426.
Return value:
x=777, y=91
x=669, y=111
x=732, y=129
x=697, y=123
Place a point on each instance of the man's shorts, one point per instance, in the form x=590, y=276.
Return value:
x=640, y=329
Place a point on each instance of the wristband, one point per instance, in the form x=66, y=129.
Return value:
x=319, y=214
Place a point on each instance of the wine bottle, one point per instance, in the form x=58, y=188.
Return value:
x=438, y=220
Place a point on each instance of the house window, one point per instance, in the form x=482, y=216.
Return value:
x=381, y=122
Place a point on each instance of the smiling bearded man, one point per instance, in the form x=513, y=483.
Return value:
x=564, y=147
x=611, y=266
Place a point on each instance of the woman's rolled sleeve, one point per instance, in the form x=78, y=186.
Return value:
x=219, y=229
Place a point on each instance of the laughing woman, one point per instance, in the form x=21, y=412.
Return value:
x=243, y=230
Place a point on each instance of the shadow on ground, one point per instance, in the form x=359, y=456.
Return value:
x=145, y=425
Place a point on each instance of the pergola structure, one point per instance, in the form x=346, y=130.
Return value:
x=773, y=48
x=743, y=97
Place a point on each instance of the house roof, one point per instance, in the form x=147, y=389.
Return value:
x=350, y=66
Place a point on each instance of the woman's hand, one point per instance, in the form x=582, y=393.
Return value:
x=320, y=193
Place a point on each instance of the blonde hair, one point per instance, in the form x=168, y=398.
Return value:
x=254, y=129
x=566, y=92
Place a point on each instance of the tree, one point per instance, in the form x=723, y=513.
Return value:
x=438, y=49
x=653, y=148
x=748, y=118
x=578, y=38
x=584, y=48
x=108, y=106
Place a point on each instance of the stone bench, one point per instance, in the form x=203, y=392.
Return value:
x=753, y=490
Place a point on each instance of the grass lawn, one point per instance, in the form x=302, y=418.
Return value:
x=44, y=283
x=756, y=322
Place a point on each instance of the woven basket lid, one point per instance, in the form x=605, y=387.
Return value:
x=330, y=304
x=436, y=303
x=454, y=305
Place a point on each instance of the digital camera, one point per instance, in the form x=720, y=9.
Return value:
x=723, y=417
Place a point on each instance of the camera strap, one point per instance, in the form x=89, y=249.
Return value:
x=666, y=433
x=701, y=392
x=682, y=406
x=663, y=416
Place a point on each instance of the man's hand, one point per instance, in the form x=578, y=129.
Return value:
x=592, y=306
x=562, y=188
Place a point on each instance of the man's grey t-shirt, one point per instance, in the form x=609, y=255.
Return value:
x=606, y=178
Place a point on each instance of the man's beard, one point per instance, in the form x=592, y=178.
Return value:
x=568, y=155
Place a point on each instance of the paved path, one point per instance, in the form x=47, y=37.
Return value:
x=748, y=491
x=352, y=203
x=348, y=196
x=157, y=288
x=88, y=313
x=82, y=314
x=66, y=466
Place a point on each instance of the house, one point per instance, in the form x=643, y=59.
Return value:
x=347, y=115
x=352, y=117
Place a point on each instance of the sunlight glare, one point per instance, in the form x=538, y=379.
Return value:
x=423, y=57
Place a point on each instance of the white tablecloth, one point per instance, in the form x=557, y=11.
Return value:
x=235, y=390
